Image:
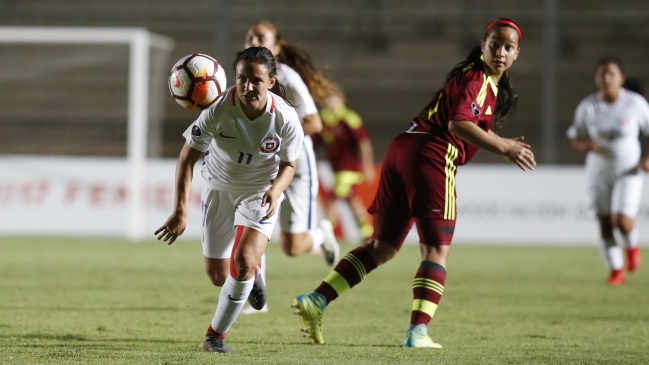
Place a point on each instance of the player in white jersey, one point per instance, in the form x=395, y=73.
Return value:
x=607, y=127
x=251, y=139
x=300, y=233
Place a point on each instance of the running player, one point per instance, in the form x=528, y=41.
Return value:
x=251, y=139
x=349, y=151
x=299, y=232
x=418, y=180
x=607, y=126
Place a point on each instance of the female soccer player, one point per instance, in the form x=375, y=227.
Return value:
x=418, y=180
x=251, y=139
x=300, y=233
x=349, y=150
x=607, y=126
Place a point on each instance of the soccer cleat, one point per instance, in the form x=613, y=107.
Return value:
x=617, y=278
x=257, y=296
x=417, y=337
x=216, y=343
x=633, y=259
x=248, y=309
x=310, y=313
x=330, y=248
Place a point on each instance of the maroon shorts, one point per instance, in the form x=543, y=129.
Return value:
x=417, y=185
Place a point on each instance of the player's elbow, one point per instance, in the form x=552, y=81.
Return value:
x=453, y=127
x=312, y=124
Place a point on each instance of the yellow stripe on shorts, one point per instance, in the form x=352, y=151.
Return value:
x=449, y=206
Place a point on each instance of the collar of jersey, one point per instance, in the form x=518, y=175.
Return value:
x=491, y=82
x=620, y=94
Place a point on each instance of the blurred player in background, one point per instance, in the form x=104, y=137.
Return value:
x=251, y=139
x=418, y=180
x=349, y=151
x=607, y=128
x=300, y=234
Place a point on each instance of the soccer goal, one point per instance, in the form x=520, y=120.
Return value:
x=81, y=92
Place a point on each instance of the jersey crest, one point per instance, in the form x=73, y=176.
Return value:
x=269, y=144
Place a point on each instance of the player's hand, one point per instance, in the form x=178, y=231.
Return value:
x=173, y=227
x=644, y=164
x=519, y=153
x=270, y=197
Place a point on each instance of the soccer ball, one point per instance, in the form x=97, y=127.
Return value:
x=197, y=81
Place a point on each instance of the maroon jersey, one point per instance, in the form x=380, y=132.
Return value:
x=342, y=131
x=470, y=95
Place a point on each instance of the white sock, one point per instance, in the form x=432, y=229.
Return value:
x=318, y=238
x=234, y=295
x=612, y=254
x=632, y=240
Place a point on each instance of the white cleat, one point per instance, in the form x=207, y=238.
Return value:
x=330, y=247
x=248, y=309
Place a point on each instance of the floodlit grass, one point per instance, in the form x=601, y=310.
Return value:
x=107, y=301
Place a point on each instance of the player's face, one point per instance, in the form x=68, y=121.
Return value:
x=253, y=82
x=609, y=78
x=261, y=36
x=500, y=49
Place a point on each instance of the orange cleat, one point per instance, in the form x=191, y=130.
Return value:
x=633, y=259
x=617, y=278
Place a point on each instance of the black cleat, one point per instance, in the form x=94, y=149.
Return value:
x=257, y=296
x=216, y=343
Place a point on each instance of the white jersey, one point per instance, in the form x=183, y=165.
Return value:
x=615, y=127
x=240, y=154
x=298, y=94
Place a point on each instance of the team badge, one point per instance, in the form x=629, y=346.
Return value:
x=269, y=144
x=196, y=131
x=474, y=108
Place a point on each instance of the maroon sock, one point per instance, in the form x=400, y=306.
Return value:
x=427, y=290
x=350, y=271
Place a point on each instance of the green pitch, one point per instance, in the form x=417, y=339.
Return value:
x=108, y=302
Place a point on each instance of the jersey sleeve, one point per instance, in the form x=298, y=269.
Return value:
x=578, y=128
x=292, y=138
x=465, y=93
x=643, y=118
x=298, y=94
x=201, y=132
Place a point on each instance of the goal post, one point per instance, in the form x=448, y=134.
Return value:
x=139, y=41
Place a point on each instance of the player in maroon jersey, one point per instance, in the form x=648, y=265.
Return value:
x=418, y=180
x=349, y=151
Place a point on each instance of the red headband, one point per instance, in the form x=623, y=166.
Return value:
x=506, y=22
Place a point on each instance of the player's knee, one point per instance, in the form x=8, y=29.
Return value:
x=380, y=251
x=245, y=267
x=623, y=223
x=217, y=278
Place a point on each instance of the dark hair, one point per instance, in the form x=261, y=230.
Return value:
x=319, y=86
x=507, y=96
x=606, y=60
x=265, y=57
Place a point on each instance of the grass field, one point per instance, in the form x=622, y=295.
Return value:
x=108, y=302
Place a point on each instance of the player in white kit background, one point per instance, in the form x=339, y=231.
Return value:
x=251, y=139
x=608, y=127
x=300, y=231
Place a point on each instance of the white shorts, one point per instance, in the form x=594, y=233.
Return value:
x=298, y=213
x=619, y=196
x=223, y=210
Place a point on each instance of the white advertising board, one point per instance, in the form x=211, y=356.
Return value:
x=65, y=196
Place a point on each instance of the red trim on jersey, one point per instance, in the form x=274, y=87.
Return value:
x=272, y=107
x=237, y=238
x=234, y=101
x=506, y=22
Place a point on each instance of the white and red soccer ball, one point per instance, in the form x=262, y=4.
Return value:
x=197, y=81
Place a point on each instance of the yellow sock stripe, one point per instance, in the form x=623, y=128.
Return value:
x=440, y=292
x=337, y=282
x=429, y=282
x=358, y=265
x=424, y=306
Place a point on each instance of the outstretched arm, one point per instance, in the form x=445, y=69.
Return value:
x=512, y=149
x=175, y=225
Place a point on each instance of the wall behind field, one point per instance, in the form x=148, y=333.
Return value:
x=389, y=56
